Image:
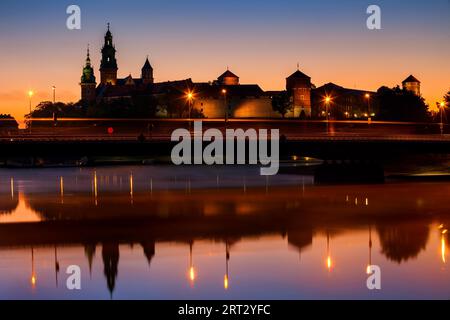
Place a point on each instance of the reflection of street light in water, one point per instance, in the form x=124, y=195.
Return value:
x=368, y=271
x=192, y=274
x=61, y=189
x=33, y=279
x=56, y=266
x=131, y=188
x=443, y=245
x=227, y=255
x=95, y=187
x=12, y=188
x=329, y=262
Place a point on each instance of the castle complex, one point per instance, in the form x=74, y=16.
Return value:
x=226, y=96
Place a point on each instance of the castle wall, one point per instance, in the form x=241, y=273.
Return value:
x=260, y=107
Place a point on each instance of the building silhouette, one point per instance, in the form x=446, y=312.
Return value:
x=412, y=84
x=226, y=96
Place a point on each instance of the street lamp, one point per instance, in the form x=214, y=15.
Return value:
x=30, y=95
x=224, y=92
x=442, y=108
x=190, y=98
x=327, y=106
x=54, y=94
x=368, y=106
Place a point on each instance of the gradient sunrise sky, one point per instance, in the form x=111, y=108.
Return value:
x=261, y=41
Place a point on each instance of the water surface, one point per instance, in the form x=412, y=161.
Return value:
x=168, y=232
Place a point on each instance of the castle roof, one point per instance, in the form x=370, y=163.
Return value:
x=228, y=74
x=298, y=75
x=214, y=90
x=411, y=78
x=337, y=89
x=147, y=65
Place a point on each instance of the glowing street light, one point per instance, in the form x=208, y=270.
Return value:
x=30, y=96
x=190, y=99
x=442, y=108
x=224, y=92
x=327, y=107
x=367, y=96
x=443, y=248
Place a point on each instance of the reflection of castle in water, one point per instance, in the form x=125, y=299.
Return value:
x=402, y=242
x=110, y=255
x=224, y=215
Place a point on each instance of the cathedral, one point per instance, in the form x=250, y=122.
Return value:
x=226, y=97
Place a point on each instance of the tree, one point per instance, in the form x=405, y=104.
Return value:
x=446, y=108
x=447, y=98
x=7, y=122
x=282, y=103
x=47, y=109
x=398, y=104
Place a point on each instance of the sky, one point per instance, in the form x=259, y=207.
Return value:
x=260, y=41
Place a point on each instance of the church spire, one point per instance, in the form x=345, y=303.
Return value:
x=108, y=67
x=88, y=58
x=88, y=72
x=147, y=72
x=88, y=81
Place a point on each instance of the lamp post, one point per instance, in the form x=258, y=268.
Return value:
x=368, y=107
x=327, y=107
x=190, y=98
x=54, y=94
x=442, y=107
x=224, y=92
x=30, y=96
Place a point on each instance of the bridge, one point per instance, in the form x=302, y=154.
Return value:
x=355, y=148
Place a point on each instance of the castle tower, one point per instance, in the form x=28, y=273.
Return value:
x=299, y=86
x=228, y=78
x=88, y=83
x=108, y=67
x=412, y=84
x=147, y=73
